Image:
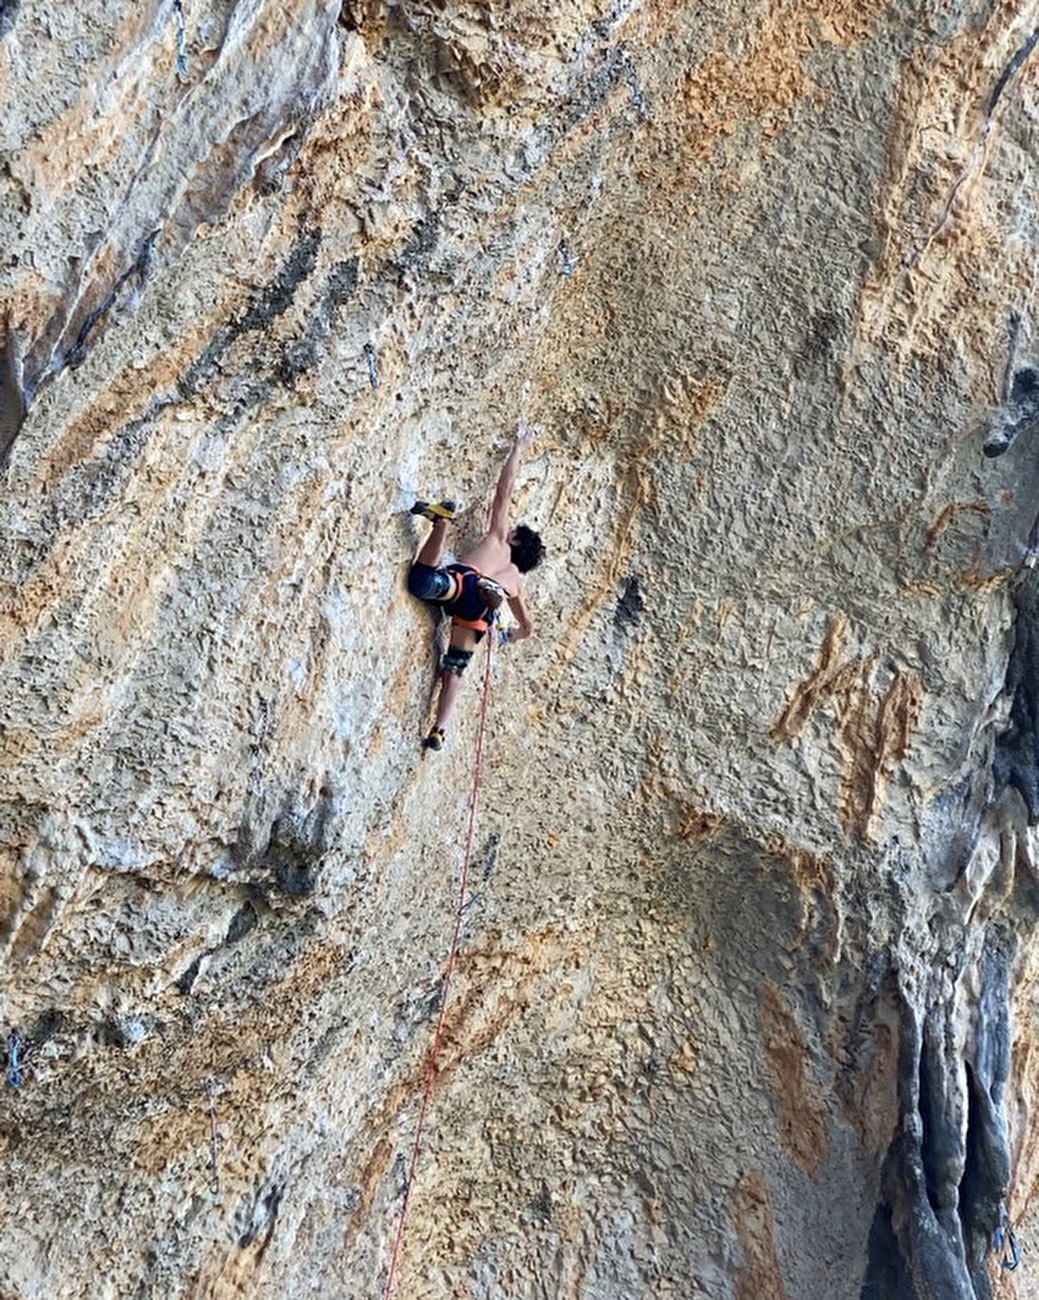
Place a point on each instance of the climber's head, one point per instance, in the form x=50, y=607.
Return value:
x=526, y=548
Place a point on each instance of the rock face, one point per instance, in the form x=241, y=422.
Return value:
x=745, y=994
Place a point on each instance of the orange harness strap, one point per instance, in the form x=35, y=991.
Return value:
x=474, y=624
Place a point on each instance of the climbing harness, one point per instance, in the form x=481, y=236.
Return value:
x=1004, y=1243
x=431, y=1062
x=373, y=362
x=15, y=1076
x=214, y=1166
x=477, y=595
x=182, y=40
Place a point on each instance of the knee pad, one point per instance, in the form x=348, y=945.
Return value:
x=455, y=660
x=428, y=583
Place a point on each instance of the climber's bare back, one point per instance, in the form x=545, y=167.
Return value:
x=492, y=555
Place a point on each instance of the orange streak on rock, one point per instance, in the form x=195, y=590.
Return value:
x=817, y=686
x=759, y=1277
x=802, y=1114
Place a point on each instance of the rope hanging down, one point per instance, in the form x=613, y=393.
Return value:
x=431, y=1064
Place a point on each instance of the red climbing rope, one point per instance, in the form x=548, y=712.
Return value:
x=431, y=1065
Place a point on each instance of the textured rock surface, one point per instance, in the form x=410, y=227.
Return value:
x=745, y=1002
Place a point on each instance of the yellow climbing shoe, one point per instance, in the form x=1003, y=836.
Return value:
x=434, y=509
x=435, y=739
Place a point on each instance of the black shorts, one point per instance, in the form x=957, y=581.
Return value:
x=454, y=589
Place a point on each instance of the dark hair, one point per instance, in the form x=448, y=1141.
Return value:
x=526, y=547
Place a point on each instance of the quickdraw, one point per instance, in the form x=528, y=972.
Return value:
x=1004, y=1243
x=15, y=1076
x=182, y=40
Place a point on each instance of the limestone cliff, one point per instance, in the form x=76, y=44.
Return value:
x=746, y=996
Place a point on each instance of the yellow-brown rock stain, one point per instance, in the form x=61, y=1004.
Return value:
x=818, y=685
x=759, y=1277
x=722, y=93
x=950, y=512
x=898, y=718
x=493, y=987
x=80, y=137
x=123, y=399
x=696, y=825
x=803, y=1116
x=873, y=735
x=813, y=875
x=940, y=217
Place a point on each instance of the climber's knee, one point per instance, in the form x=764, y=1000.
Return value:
x=428, y=583
x=456, y=660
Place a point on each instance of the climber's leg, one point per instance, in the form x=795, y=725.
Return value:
x=453, y=665
x=450, y=687
x=432, y=550
x=426, y=579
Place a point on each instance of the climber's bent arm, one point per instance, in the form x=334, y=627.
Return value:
x=522, y=617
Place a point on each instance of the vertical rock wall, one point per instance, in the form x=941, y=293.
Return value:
x=745, y=994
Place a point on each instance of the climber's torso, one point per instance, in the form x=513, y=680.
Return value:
x=491, y=558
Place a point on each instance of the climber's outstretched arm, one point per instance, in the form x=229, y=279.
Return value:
x=499, y=521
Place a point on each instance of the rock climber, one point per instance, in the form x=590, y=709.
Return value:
x=472, y=590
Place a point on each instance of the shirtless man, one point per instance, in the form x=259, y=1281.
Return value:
x=472, y=590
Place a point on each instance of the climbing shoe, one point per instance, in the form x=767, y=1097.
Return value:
x=434, y=509
x=435, y=739
x=491, y=593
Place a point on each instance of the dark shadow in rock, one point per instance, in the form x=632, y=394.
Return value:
x=12, y=401
x=961, y=810
x=270, y=174
x=244, y=920
x=294, y=877
x=264, y=306
x=630, y=605
x=886, y=1277
x=8, y=15
x=135, y=276
x=1019, y=413
x=1016, y=761
x=264, y=1216
x=986, y=1176
x=425, y=235
x=295, y=849
x=944, y=1179
x=124, y=1031
x=186, y=980
x=821, y=344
